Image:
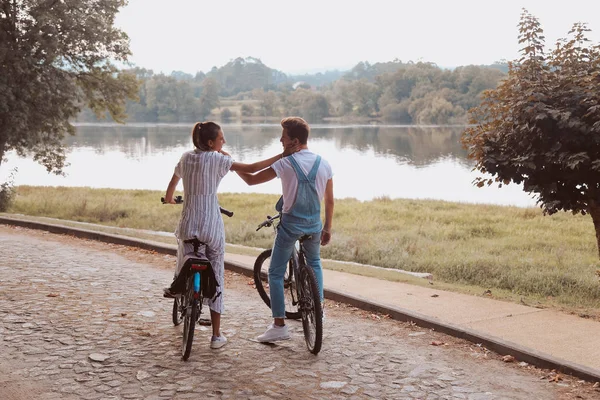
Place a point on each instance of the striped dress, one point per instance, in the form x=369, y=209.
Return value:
x=201, y=172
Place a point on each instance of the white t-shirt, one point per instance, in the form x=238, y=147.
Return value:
x=289, y=182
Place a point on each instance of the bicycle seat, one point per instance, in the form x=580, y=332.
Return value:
x=196, y=243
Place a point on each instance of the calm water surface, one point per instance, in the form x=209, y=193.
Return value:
x=368, y=161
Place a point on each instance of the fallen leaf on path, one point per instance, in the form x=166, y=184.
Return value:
x=52, y=295
x=555, y=378
x=508, y=358
x=251, y=282
x=487, y=293
x=596, y=385
x=435, y=295
x=437, y=343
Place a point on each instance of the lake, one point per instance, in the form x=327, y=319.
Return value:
x=368, y=161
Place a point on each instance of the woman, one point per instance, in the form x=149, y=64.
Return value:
x=202, y=170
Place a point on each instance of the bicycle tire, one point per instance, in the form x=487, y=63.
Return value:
x=310, y=307
x=177, y=310
x=261, y=267
x=189, y=322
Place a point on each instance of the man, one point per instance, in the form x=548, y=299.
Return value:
x=306, y=180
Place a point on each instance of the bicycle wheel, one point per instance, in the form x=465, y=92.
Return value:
x=261, y=281
x=310, y=307
x=189, y=320
x=177, y=310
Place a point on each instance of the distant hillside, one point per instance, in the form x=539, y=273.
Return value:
x=247, y=89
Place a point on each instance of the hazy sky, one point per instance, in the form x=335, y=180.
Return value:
x=310, y=36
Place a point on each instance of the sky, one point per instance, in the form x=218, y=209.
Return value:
x=311, y=36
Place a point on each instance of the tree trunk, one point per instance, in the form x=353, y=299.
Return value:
x=594, y=210
x=2, y=147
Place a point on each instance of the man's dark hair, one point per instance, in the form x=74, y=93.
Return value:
x=296, y=128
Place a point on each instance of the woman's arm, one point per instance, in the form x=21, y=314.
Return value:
x=171, y=189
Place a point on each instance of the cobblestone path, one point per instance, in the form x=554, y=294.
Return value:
x=63, y=299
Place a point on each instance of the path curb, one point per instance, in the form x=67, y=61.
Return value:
x=495, y=344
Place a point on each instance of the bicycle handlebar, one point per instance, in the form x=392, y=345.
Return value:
x=179, y=200
x=268, y=222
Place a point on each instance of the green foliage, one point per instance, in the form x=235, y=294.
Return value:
x=247, y=110
x=245, y=74
x=397, y=112
x=307, y=104
x=209, y=98
x=7, y=192
x=54, y=59
x=541, y=126
x=395, y=92
x=226, y=114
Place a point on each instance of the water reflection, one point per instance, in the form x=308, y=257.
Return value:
x=411, y=145
x=368, y=161
x=419, y=146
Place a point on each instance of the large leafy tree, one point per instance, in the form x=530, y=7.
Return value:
x=209, y=99
x=541, y=126
x=56, y=57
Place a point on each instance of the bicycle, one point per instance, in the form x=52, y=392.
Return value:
x=194, y=281
x=302, y=296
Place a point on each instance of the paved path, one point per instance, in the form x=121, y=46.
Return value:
x=63, y=299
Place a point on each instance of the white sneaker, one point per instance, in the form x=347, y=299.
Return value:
x=274, y=333
x=216, y=342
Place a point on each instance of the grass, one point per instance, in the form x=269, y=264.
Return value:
x=517, y=253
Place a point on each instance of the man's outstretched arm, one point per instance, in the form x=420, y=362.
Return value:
x=326, y=233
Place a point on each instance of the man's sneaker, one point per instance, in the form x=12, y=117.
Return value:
x=274, y=333
x=216, y=342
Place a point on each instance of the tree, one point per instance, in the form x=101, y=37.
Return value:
x=541, y=125
x=55, y=58
x=209, y=98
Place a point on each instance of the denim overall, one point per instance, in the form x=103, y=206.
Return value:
x=304, y=218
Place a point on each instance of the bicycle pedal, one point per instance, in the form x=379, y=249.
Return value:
x=204, y=322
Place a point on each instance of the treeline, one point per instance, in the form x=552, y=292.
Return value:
x=393, y=92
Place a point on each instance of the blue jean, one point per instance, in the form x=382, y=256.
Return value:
x=287, y=235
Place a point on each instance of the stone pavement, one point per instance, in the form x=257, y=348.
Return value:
x=81, y=319
x=544, y=337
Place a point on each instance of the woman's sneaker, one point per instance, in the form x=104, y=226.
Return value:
x=274, y=333
x=168, y=293
x=216, y=342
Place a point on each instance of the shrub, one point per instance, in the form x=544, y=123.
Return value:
x=7, y=192
x=226, y=114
